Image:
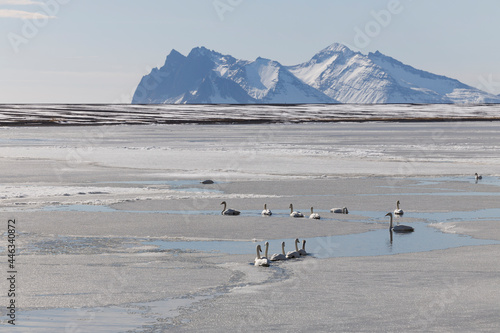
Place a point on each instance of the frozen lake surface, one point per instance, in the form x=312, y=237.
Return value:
x=116, y=232
x=372, y=243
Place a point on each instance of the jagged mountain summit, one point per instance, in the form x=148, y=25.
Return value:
x=335, y=74
x=351, y=77
x=209, y=77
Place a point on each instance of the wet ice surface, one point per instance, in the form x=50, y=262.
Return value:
x=116, y=232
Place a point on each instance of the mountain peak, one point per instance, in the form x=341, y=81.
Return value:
x=378, y=54
x=265, y=61
x=174, y=55
x=330, y=51
x=336, y=47
x=200, y=51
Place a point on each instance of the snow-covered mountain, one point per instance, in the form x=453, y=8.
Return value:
x=351, y=77
x=209, y=77
x=335, y=74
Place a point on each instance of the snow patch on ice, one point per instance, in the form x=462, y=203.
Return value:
x=445, y=227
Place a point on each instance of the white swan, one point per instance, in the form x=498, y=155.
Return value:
x=294, y=254
x=266, y=212
x=398, y=211
x=302, y=251
x=295, y=214
x=260, y=261
x=266, y=251
x=342, y=210
x=478, y=176
x=399, y=227
x=279, y=256
x=314, y=215
x=228, y=211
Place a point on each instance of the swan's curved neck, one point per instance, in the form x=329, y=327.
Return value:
x=311, y=210
x=296, y=247
x=390, y=227
x=223, y=209
x=265, y=206
x=291, y=208
x=304, y=245
x=283, y=248
x=267, y=249
x=397, y=204
x=258, y=252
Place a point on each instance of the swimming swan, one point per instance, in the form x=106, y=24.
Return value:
x=279, y=256
x=260, y=261
x=398, y=211
x=228, y=211
x=342, y=210
x=399, y=227
x=266, y=251
x=302, y=251
x=266, y=212
x=295, y=214
x=314, y=215
x=478, y=176
x=294, y=254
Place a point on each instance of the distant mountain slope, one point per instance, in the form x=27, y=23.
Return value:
x=209, y=77
x=335, y=74
x=352, y=77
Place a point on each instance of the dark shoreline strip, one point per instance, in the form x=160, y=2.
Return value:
x=232, y=121
x=24, y=115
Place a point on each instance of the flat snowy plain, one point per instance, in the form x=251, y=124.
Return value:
x=115, y=232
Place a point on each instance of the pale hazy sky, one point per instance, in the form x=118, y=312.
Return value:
x=96, y=51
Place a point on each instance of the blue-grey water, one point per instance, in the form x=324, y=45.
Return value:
x=372, y=243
